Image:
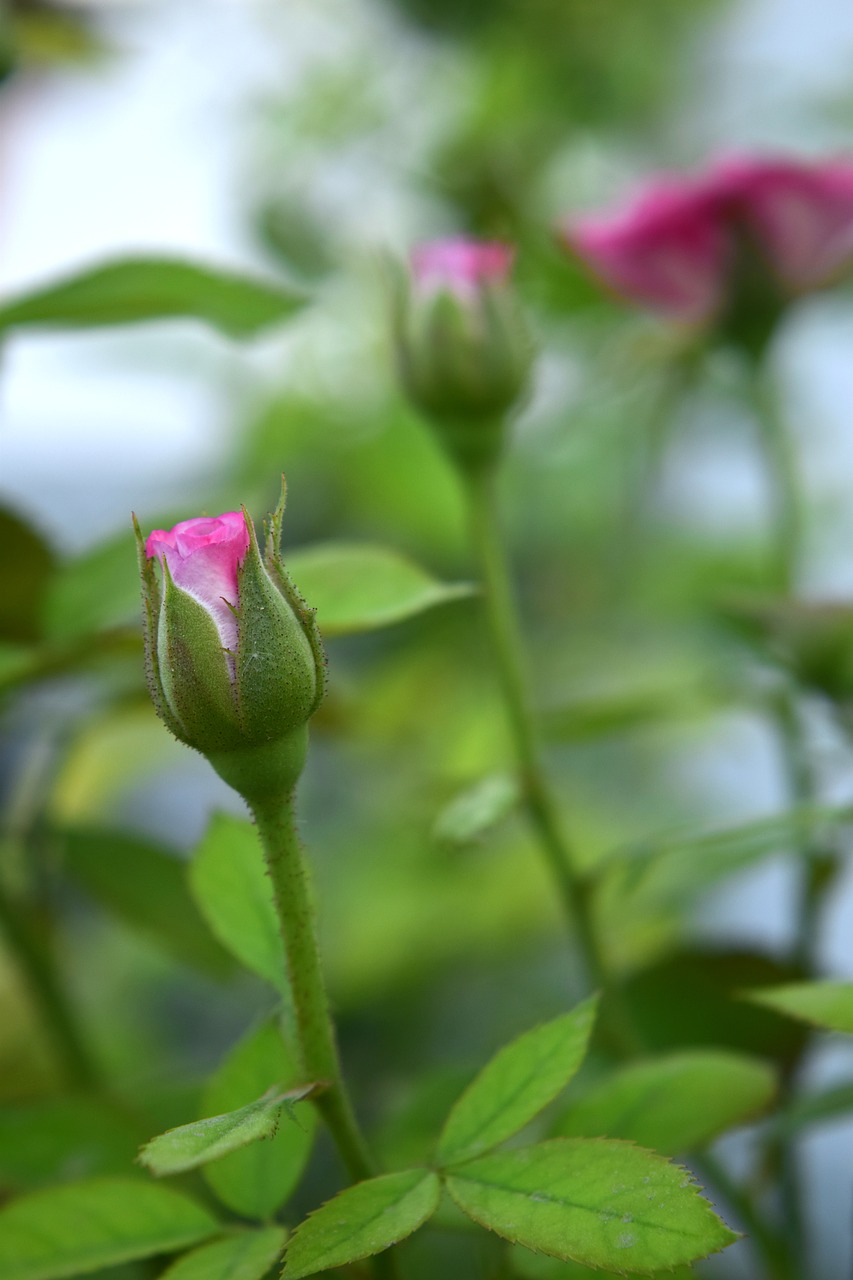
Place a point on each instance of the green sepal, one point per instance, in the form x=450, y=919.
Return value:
x=308, y=617
x=150, y=620
x=194, y=671
x=270, y=769
x=276, y=673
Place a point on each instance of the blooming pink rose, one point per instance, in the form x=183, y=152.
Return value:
x=202, y=555
x=801, y=214
x=674, y=248
x=461, y=264
x=667, y=249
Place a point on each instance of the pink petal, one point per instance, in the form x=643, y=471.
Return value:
x=203, y=555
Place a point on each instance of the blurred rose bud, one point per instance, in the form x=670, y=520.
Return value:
x=731, y=246
x=463, y=349
x=234, y=660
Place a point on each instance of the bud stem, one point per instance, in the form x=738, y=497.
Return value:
x=317, y=1047
x=573, y=888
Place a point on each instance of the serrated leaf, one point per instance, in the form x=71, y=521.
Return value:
x=517, y=1084
x=824, y=1004
x=246, y=1255
x=674, y=1103
x=599, y=1202
x=153, y=288
x=362, y=1221
x=358, y=587
x=477, y=809
x=257, y=1180
x=229, y=882
x=203, y=1141
x=82, y=1227
x=147, y=887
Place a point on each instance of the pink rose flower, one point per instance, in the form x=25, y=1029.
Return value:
x=202, y=555
x=667, y=249
x=461, y=264
x=801, y=214
x=675, y=246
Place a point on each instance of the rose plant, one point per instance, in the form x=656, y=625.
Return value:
x=562, y=1155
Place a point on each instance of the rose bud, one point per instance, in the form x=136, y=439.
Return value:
x=463, y=349
x=234, y=660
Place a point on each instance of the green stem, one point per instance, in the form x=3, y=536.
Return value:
x=572, y=887
x=38, y=970
x=778, y=1261
x=317, y=1046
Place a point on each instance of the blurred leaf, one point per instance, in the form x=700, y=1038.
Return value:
x=691, y=998
x=672, y=1104
x=517, y=1084
x=256, y=1181
x=246, y=1255
x=813, y=1108
x=96, y=590
x=65, y=1231
x=362, y=1221
x=62, y=1139
x=203, y=1141
x=688, y=864
x=824, y=1004
x=477, y=809
x=28, y=563
x=599, y=1202
x=812, y=638
x=135, y=289
x=229, y=882
x=147, y=887
x=357, y=587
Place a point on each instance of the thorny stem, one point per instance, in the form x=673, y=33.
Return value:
x=317, y=1046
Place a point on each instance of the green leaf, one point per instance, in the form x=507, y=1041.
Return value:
x=517, y=1084
x=65, y=1231
x=135, y=289
x=203, y=1141
x=674, y=1103
x=813, y=1108
x=93, y=591
x=28, y=564
x=595, y=1201
x=147, y=887
x=362, y=1221
x=358, y=587
x=231, y=887
x=257, y=1180
x=824, y=1004
x=246, y=1255
x=60, y=1139
x=692, y=998
x=538, y=1266
x=477, y=809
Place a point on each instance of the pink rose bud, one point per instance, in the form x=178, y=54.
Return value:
x=667, y=250
x=234, y=660
x=461, y=265
x=463, y=350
